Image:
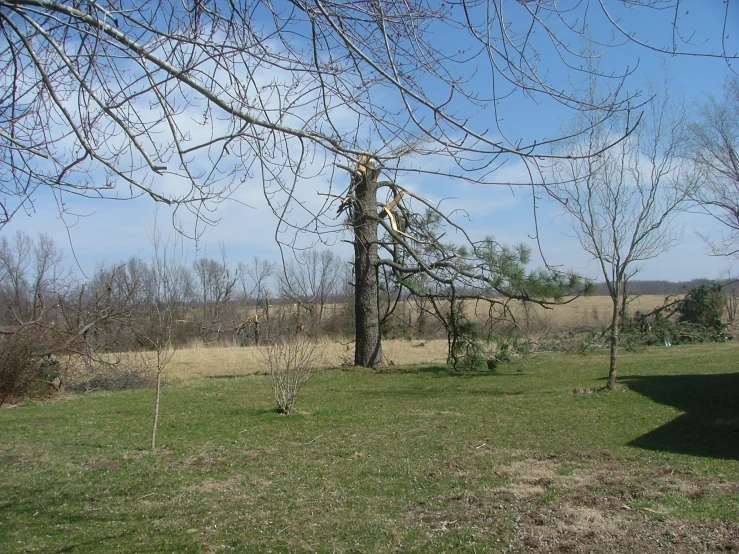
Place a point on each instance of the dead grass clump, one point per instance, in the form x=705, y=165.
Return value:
x=211, y=486
x=530, y=471
x=584, y=519
x=588, y=503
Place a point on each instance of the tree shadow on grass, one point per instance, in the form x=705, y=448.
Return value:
x=445, y=370
x=710, y=425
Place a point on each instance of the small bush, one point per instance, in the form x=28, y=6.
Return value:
x=396, y=328
x=26, y=366
x=704, y=307
x=696, y=318
x=117, y=377
x=109, y=372
x=466, y=350
x=291, y=361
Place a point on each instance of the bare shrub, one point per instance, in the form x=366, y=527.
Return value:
x=291, y=361
x=106, y=372
x=731, y=292
x=26, y=365
x=120, y=377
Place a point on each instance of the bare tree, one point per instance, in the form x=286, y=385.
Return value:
x=50, y=313
x=30, y=277
x=157, y=333
x=31, y=282
x=137, y=280
x=621, y=201
x=312, y=279
x=119, y=292
x=254, y=278
x=183, y=103
x=714, y=149
x=180, y=285
x=215, y=284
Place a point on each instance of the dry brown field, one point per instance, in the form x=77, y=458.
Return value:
x=220, y=362
x=589, y=312
x=199, y=362
x=579, y=314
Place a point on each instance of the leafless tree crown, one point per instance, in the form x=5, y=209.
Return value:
x=186, y=101
x=622, y=202
x=714, y=149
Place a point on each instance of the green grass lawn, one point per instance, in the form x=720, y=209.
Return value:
x=532, y=458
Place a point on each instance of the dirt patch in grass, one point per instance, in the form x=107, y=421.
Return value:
x=562, y=527
x=594, y=505
x=10, y=460
x=582, y=504
x=202, y=461
x=211, y=486
x=103, y=464
x=531, y=471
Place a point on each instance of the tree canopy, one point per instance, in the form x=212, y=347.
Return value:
x=185, y=102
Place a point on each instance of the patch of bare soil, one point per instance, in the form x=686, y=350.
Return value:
x=580, y=503
x=103, y=464
x=211, y=485
x=10, y=460
x=595, y=505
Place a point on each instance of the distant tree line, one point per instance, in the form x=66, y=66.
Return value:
x=655, y=287
x=211, y=299
x=162, y=302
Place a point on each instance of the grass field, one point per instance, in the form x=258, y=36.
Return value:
x=413, y=459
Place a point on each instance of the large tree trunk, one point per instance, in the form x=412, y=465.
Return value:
x=368, y=345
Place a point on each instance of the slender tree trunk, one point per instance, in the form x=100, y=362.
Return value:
x=156, y=402
x=266, y=310
x=368, y=344
x=615, y=328
x=452, y=333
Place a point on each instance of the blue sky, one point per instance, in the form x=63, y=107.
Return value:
x=109, y=231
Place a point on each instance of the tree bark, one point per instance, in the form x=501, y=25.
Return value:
x=368, y=343
x=156, y=404
x=615, y=327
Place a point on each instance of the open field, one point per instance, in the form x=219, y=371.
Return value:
x=593, y=312
x=587, y=312
x=416, y=459
x=191, y=364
